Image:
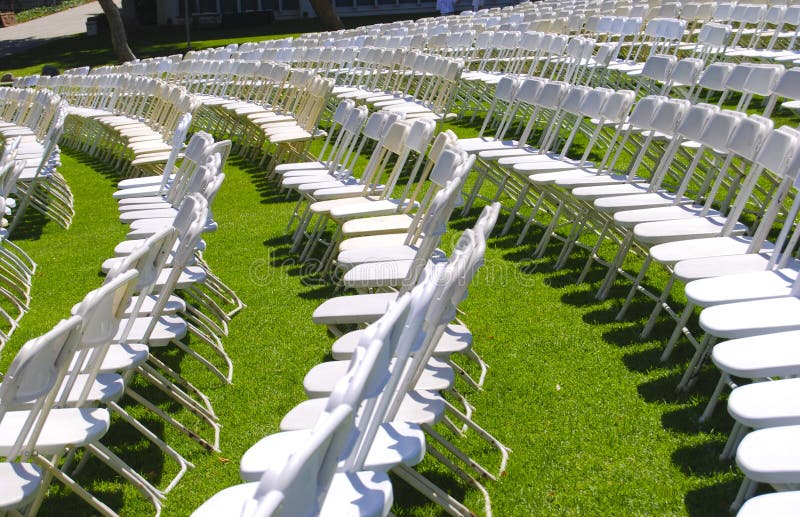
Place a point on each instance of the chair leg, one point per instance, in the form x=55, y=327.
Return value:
x=432, y=492
x=661, y=303
x=634, y=288
x=697, y=362
x=184, y=464
x=746, y=491
x=680, y=327
x=724, y=379
x=738, y=432
x=592, y=254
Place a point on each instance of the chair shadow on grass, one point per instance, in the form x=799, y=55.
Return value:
x=103, y=168
x=645, y=361
x=702, y=460
x=407, y=498
x=61, y=501
x=711, y=500
x=269, y=192
x=138, y=452
x=32, y=225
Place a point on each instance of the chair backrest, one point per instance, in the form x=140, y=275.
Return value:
x=686, y=72
x=298, y=487
x=195, y=209
x=434, y=223
x=101, y=311
x=32, y=380
x=451, y=285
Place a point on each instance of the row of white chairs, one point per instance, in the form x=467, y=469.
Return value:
x=38, y=119
x=114, y=333
x=16, y=267
x=134, y=123
x=411, y=255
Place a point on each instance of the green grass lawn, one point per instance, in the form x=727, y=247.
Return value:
x=589, y=412
x=592, y=417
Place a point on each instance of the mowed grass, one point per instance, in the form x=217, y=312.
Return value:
x=590, y=414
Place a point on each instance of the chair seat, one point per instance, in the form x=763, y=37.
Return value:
x=168, y=328
x=592, y=180
x=616, y=203
x=106, y=388
x=159, y=213
x=19, y=483
x=743, y=319
x=318, y=171
x=309, y=187
x=592, y=193
x=299, y=166
x=707, y=267
x=368, y=209
x=746, y=286
x=367, y=255
x=395, y=443
x=308, y=177
x=494, y=153
x=174, y=305
x=544, y=178
x=376, y=225
x=389, y=273
x=455, y=339
x=362, y=308
x=419, y=407
x=357, y=494
x=543, y=162
x=483, y=143
x=761, y=356
x=657, y=232
x=73, y=427
x=766, y=404
x=389, y=240
x=672, y=252
x=144, y=204
x=324, y=207
x=124, y=356
x=778, y=504
x=321, y=379
x=771, y=455
x=144, y=198
x=149, y=186
x=527, y=167
x=630, y=218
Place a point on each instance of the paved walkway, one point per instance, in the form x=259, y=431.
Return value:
x=36, y=32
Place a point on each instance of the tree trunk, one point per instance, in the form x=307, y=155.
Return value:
x=129, y=15
x=119, y=40
x=327, y=14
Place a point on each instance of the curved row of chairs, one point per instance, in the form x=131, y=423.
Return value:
x=394, y=248
x=37, y=118
x=132, y=123
x=59, y=392
x=671, y=180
